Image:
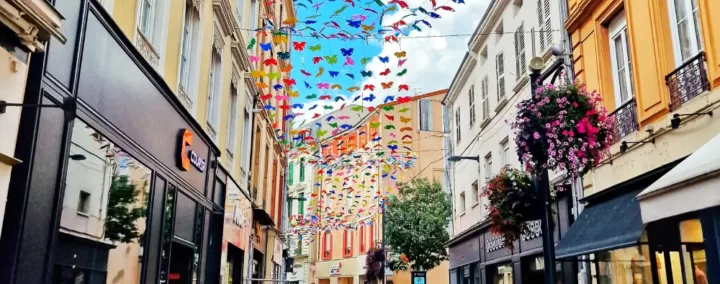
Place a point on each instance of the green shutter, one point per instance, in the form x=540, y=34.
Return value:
x=301, y=207
x=302, y=169
x=291, y=170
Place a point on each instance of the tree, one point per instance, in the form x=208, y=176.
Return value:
x=121, y=211
x=417, y=223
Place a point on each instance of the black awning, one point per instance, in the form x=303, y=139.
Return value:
x=612, y=224
x=262, y=217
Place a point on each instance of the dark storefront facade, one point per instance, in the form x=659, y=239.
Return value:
x=477, y=256
x=120, y=185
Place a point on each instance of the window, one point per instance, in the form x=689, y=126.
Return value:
x=247, y=133
x=214, y=90
x=462, y=202
x=500, y=70
x=105, y=201
x=371, y=241
x=347, y=243
x=446, y=119
x=685, y=22
x=484, y=97
x=239, y=11
x=302, y=169
x=457, y=125
x=327, y=245
x=471, y=101
x=488, y=166
x=620, y=60
x=291, y=173
x=83, y=202
x=253, y=14
x=301, y=206
x=232, y=121
x=361, y=234
x=475, y=192
x=426, y=115
x=147, y=14
x=520, y=65
x=504, y=151
x=190, y=39
x=544, y=24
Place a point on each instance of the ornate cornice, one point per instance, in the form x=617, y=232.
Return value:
x=240, y=55
x=579, y=13
x=34, y=22
x=198, y=5
x=218, y=40
x=224, y=15
x=235, y=79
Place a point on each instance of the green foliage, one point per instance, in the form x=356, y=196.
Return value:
x=417, y=222
x=122, y=211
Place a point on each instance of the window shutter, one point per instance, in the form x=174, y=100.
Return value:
x=500, y=66
x=548, y=24
x=541, y=22
x=520, y=52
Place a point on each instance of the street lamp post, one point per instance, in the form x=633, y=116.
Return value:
x=542, y=187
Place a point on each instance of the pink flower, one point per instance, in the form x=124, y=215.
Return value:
x=536, y=135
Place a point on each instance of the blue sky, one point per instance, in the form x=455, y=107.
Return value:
x=303, y=60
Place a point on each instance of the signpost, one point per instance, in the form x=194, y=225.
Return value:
x=418, y=277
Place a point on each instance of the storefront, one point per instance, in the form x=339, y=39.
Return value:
x=622, y=240
x=477, y=256
x=119, y=183
x=237, y=234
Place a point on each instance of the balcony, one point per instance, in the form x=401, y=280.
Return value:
x=625, y=117
x=687, y=81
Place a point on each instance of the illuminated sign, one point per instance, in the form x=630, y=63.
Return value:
x=186, y=156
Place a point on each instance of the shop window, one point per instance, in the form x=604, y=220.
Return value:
x=327, y=246
x=104, y=210
x=347, y=243
x=626, y=265
x=503, y=274
x=685, y=23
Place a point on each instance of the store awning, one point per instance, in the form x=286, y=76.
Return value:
x=690, y=186
x=608, y=225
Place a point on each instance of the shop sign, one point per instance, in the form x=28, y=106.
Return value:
x=238, y=216
x=418, y=277
x=496, y=243
x=187, y=156
x=335, y=269
x=534, y=230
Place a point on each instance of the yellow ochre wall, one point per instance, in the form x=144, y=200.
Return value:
x=651, y=53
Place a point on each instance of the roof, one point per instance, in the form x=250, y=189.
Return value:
x=417, y=97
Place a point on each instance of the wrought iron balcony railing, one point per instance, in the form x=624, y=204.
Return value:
x=687, y=81
x=626, y=121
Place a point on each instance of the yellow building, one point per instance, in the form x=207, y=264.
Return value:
x=657, y=66
x=200, y=49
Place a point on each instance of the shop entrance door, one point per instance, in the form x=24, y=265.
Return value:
x=678, y=252
x=235, y=264
x=181, y=261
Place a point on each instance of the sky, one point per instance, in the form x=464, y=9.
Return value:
x=433, y=55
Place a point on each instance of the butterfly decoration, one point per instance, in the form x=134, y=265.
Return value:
x=384, y=59
x=299, y=45
x=266, y=46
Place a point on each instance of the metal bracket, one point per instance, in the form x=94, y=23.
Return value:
x=69, y=105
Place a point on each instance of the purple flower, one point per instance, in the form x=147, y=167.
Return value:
x=536, y=135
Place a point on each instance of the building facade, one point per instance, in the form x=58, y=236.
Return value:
x=115, y=169
x=656, y=63
x=492, y=78
x=24, y=30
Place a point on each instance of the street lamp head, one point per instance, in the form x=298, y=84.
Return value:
x=558, y=49
x=453, y=159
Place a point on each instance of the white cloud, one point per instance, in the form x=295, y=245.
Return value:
x=433, y=54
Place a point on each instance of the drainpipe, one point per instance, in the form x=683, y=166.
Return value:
x=251, y=252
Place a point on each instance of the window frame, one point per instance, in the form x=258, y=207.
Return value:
x=504, y=150
x=362, y=240
x=214, y=90
x=462, y=202
x=348, y=239
x=617, y=29
x=476, y=192
x=695, y=34
x=327, y=245
x=458, y=132
x=471, y=103
x=231, y=137
x=487, y=166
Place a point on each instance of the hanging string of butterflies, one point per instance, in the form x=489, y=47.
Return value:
x=356, y=163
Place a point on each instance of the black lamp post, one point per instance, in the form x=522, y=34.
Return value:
x=541, y=182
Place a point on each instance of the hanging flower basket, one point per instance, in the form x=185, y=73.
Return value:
x=562, y=128
x=374, y=271
x=511, y=198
